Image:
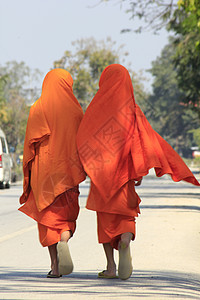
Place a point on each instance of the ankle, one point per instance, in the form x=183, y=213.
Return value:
x=111, y=266
x=54, y=268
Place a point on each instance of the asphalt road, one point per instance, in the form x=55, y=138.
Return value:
x=166, y=252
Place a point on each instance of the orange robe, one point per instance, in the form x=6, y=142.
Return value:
x=117, y=215
x=117, y=145
x=51, y=165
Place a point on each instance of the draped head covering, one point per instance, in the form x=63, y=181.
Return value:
x=51, y=163
x=115, y=141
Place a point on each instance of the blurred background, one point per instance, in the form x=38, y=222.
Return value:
x=157, y=41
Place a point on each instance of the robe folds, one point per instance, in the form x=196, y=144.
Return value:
x=51, y=165
x=117, y=145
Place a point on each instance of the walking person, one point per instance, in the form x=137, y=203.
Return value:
x=52, y=169
x=117, y=147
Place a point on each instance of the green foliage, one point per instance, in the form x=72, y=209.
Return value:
x=3, y=112
x=186, y=25
x=196, y=136
x=168, y=115
x=21, y=80
x=16, y=92
x=154, y=13
x=183, y=18
x=141, y=96
x=86, y=64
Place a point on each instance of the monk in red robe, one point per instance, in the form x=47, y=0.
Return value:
x=52, y=169
x=117, y=147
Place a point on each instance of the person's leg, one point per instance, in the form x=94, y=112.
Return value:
x=125, y=260
x=109, y=227
x=111, y=266
x=125, y=239
x=54, y=259
x=65, y=264
x=65, y=236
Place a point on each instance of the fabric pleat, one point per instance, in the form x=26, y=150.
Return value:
x=116, y=143
x=51, y=163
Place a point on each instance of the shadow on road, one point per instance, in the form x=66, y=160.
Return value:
x=142, y=284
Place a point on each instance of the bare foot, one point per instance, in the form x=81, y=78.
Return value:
x=54, y=268
x=54, y=259
x=65, y=264
x=111, y=270
x=111, y=266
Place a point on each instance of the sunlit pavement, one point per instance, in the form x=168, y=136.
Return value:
x=166, y=252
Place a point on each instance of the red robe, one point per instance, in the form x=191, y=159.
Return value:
x=117, y=145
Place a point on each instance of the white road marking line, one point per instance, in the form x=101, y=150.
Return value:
x=16, y=233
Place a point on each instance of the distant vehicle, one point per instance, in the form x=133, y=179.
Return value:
x=5, y=162
x=196, y=154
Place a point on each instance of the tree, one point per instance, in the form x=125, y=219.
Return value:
x=86, y=64
x=186, y=25
x=16, y=94
x=183, y=19
x=3, y=113
x=168, y=115
x=17, y=91
x=155, y=14
x=196, y=135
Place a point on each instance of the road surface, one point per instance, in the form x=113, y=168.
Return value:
x=166, y=252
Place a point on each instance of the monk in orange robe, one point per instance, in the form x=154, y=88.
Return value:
x=117, y=147
x=52, y=169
